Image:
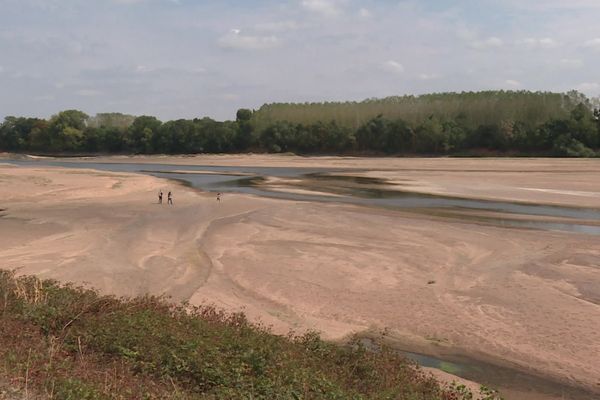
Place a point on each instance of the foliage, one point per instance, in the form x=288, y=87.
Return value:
x=477, y=108
x=75, y=344
x=539, y=123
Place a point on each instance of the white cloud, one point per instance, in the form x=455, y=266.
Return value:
x=279, y=26
x=543, y=43
x=428, y=77
x=465, y=33
x=594, y=43
x=168, y=70
x=588, y=87
x=364, y=13
x=322, y=7
x=128, y=1
x=512, y=83
x=238, y=41
x=393, y=66
x=44, y=97
x=143, y=68
x=229, y=96
x=548, y=43
x=88, y=92
x=571, y=62
x=141, y=1
x=489, y=43
x=553, y=5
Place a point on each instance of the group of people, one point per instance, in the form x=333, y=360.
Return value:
x=170, y=197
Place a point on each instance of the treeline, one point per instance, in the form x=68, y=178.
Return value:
x=73, y=131
x=476, y=108
x=468, y=123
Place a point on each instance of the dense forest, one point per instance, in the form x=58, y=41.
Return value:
x=492, y=122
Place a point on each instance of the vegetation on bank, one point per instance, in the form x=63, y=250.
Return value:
x=63, y=342
x=493, y=122
x=476, y=108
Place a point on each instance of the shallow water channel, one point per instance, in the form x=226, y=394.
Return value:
x=338, y=185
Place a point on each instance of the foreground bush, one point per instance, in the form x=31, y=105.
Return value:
x=64, y=342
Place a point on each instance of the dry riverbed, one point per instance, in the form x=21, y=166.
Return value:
x=527, y=299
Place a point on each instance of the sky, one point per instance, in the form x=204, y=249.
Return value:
x=194, y=58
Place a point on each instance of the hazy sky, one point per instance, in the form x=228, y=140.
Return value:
x=190, y=58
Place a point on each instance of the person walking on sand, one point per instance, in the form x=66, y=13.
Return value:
x=160, y=194
x=170, y=198
x=219, y=196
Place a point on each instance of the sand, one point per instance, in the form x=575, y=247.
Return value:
x=522, y=298
x=570, y=182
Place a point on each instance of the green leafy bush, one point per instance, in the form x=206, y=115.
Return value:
x=76, y=344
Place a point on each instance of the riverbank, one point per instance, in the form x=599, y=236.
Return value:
x=526, y=297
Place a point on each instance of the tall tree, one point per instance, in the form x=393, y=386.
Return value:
x=140, y=134
x=65, y=131
x=243, y=138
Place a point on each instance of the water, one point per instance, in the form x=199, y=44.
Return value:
x=511, y=382
x=358, y=190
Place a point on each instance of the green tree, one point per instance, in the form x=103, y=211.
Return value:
x=373, y=135
x=15, y=132
x=111, y=120
x=335, y=138
x=278, y=137
x=583, y=126
x=140, y=134
x=65, y=131
x=175, y=137
x=382, y=135
x=456, y=135
x=431, y=137
x=243, y=138
x=110, y=139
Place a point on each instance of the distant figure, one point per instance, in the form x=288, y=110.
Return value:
x=170, y=198
x=160, y=194
x=219, y=196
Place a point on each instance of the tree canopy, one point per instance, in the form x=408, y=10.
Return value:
x=540, y=123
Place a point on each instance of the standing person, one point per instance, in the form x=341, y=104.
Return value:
x=160, y=194
x=170, y=198
x=219, y=196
